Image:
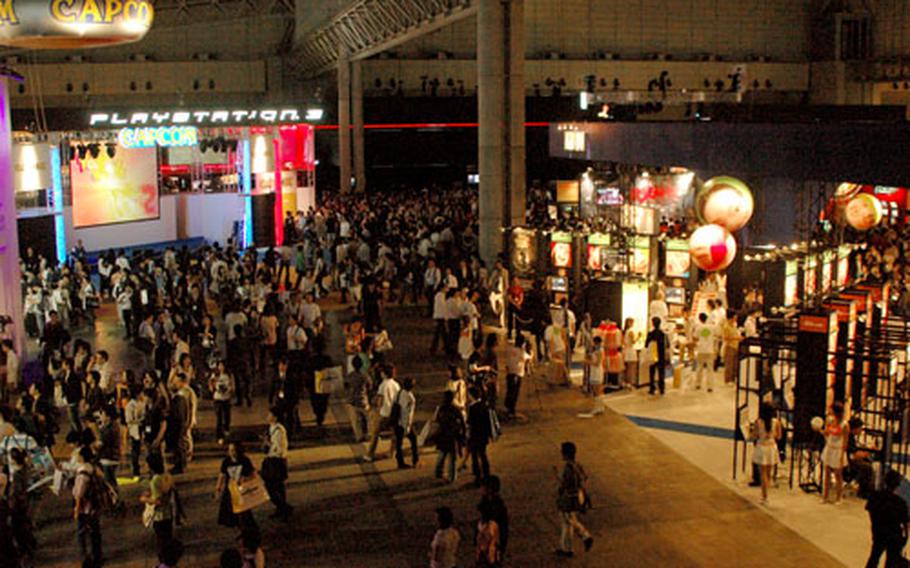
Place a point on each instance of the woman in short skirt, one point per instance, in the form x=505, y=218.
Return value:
x=766, y=456
x=834, y=456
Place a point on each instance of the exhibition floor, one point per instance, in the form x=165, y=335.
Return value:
x=699, y=427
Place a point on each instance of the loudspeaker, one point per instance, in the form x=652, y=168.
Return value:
x=264, y=219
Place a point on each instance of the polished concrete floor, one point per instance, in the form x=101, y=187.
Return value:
x=653, y=506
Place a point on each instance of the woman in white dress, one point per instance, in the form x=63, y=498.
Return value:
x=629, y=353
x=834, y=456
x=766, y=456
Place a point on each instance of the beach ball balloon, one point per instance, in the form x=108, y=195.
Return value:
x=712, y=247
x=845, y=192
x=863, y=212
x=817, y=423
x=725, y=201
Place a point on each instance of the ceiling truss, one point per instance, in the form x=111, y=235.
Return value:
x=369, y=27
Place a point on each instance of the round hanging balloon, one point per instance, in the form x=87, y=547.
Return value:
x=712, y=247
x=73, y=24
x=845, y=192
x=725, y=201
x=863, y=212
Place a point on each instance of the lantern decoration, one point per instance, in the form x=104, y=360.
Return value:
x=863, y=212
x=725, y=201
x=712, y=247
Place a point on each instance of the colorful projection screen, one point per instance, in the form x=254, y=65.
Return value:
x=110, y=190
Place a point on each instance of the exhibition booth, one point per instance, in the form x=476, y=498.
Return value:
x=152, y=178
x=825, y=330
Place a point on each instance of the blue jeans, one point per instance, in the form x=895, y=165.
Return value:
x=441, y=458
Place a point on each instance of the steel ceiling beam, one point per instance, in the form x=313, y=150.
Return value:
x=369, y=27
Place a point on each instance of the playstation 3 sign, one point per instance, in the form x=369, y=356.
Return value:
x=164, y=136
x=195, y=117
x=73, y=24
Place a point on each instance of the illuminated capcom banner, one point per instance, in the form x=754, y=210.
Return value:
x=73, y=24
x=165, y=136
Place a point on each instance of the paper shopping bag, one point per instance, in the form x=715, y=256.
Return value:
x=248, y=494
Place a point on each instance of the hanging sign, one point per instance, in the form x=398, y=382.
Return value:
x=73, y=24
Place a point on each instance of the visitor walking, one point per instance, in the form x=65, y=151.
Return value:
x=571, y=486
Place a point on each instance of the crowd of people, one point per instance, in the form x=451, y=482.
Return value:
x=229, y=326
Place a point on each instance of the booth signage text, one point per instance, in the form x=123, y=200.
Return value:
x=195, y=117
x=161, y=136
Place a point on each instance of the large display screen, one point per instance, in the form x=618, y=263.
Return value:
x=678, y=259
x=117, y=189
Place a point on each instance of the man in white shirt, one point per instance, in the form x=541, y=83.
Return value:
x=453, y=320
x=517, y=360
x=431, y=278
x=275, y=467
x=296, y=340
x=440, y=315
x=310, y=312
x=705, y=336
x=405, y=426
x=234, y=317
x=387, y=396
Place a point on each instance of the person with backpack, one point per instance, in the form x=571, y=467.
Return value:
x=87, y=505
x=571, y=499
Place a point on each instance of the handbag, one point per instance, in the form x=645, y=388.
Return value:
x=495, y=427
x=248, y=494
x=148, y=515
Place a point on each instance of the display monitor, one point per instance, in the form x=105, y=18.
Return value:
x=115, y=189
x=676, y=296
x=609, y=196
x=678, y=259
x=791, y=283
x=559, y=284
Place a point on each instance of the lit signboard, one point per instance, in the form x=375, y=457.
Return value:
x=149, y=137
x=200, y=117
x=73, y=24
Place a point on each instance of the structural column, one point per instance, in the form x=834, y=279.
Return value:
x=360, y=168
x=501, y=112
x=344, y=123
x=10, y=278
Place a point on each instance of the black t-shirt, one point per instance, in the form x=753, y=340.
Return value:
x=152, y=422
x=660, y=338
x=237, y=469
x=888, y=512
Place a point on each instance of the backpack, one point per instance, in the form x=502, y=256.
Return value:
x=98, y=492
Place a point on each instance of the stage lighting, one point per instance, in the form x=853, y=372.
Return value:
x=111, y=150
x=94, y=149
x=82, y=150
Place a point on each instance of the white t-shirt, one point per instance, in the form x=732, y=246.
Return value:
x=553, y=336
x=517, y=360
x=388, y=390
x=705, y=338
x=445, y=548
